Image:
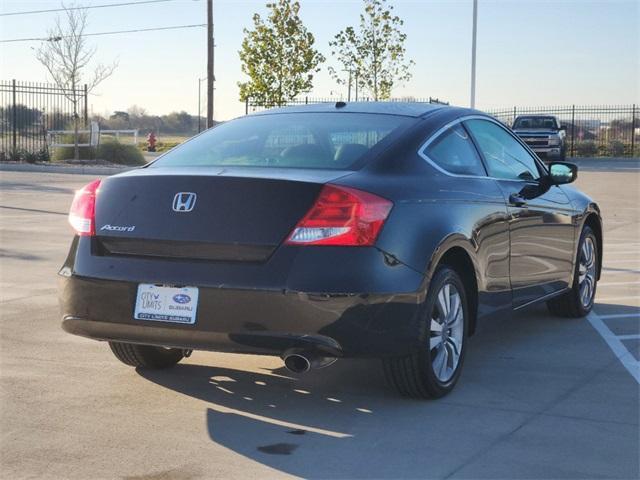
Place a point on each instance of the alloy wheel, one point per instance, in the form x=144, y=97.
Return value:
x=447, y=332
x=587, y=272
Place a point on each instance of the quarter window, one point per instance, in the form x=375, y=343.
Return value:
x=504, y=155
x=454, y=152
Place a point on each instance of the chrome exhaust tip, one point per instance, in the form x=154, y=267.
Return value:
x=297, y=363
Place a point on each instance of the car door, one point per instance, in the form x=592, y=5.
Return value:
x=542, y=234
x=466, y=199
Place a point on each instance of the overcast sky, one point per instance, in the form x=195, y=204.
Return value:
x=529, y=52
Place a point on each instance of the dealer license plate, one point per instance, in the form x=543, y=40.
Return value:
x=166, y=304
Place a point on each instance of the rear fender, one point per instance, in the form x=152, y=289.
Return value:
x=449, y=242
x=593, y=218
x=452, y=241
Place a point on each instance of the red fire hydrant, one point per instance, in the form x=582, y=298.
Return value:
x=151, y=142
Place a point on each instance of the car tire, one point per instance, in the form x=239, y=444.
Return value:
x=418, y=375
x=146, y=356
x=578, y=302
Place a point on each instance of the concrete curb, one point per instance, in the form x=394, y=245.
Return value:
x=67, y=169
x=602, y=159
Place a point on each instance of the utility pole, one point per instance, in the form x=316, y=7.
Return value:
x=199, y=108
x=210, y=78
x=473, y=54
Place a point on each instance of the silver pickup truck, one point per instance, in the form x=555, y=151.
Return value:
x=543, y=134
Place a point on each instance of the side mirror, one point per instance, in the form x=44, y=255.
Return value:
x=562, y=172
x=563, y=127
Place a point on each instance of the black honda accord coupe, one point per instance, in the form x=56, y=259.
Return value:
x=386, y=230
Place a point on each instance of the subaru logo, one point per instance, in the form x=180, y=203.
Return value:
x=184, y=201
x=181, y=298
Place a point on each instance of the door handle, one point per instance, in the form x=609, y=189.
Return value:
x=517, y=200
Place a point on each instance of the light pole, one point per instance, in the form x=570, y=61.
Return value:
x=199, y=107
x=473, y=54
x=210, y=78
x=350, y=82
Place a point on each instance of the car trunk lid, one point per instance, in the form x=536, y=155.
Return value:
x=224, y=214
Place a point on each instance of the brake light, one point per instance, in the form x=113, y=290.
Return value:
x=82, y=214
x=342, y=216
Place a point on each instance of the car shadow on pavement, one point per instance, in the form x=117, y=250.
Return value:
x=344, y=422
x=318, y=425
x=605, y=309
x=338, y=422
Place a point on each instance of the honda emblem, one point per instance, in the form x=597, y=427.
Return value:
x=184, y=201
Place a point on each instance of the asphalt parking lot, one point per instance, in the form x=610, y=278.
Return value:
x=540, y=397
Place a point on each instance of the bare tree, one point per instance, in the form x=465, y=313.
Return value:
x=66, y=55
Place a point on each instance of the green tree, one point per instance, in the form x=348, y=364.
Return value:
x=278, y=56
x=374, y=54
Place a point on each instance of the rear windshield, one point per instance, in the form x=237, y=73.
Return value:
x=296, y=140
x=535, y=122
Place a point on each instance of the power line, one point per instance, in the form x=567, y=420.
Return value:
x=84, y=8
x=57, y=39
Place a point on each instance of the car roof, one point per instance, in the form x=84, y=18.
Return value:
x=409, y=109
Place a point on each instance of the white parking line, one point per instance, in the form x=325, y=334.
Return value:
x=616, y=299
x=611, y=284
x=629, y=337
x=620, y=315
x=619, y=350
x=275, y=421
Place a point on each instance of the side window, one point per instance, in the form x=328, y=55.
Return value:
x=504, y=155
x=454, y=152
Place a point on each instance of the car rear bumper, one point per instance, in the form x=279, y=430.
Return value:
x=249, y=321
x=341, y=302
x=267, y=343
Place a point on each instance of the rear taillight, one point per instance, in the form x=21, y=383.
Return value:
x=82, y=214
x=342, y=216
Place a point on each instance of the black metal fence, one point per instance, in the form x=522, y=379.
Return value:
x=254, y=106
x=601, y=130
x=28, y=110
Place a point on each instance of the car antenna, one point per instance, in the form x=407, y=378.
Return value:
x=341, y=104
